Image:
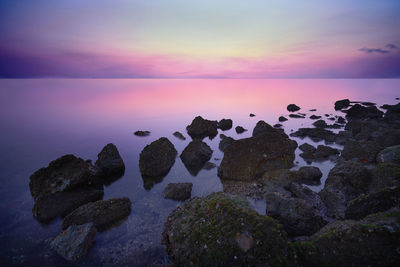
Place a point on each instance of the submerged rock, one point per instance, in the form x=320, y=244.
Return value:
x=75, y=242
x=195, y=155
x=178, y=191
x=282, y=119
x=360, y=112
x=200, y=128
x=109, y=163
x=292, y=107
x=157, y=158
x=225, y=142
x=316, y=134
x=219, y=230
x=101, y=213
x=179, y=135
x=142, y=133
x=240, y=129
x=65, y=173
x=247, y=159
x=389, y=155
x=209, y=165
x=341, y=104
x=225, y=124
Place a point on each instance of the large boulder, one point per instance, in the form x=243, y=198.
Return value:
x=178, y=191
x=366, y=204
x=316, y=134
x=262, y=127
x=195, y=155
x=65, y=173
x=346, y=181
x=200, y=128
x=48, y=207
x=365, y=151
x=341, y=104
x=109, y=163
x=360, y=112
x=219, y=230
x=101, y=213
x=247, y=159
x=292, y=107
x=225, y=124
x=157, y=158
x=75, y=242
x=389, y=155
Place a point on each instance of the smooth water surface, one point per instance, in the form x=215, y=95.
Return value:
x=43, y=119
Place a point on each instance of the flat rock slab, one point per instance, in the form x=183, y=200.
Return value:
x=178, y=191
x=101, y=213
x=75, y=242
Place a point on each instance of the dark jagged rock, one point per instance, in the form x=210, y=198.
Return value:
x=314, y=117
x=343, y=137
x=346, y=181
x=101, y=213
x=225, y=142
x=247, y=159
x=240, y=129
x=341, y=104
x=293, y=108
x=389, y=155
x=384, y=175
x=225, y=124
x=307, y=148
x=360, y=112
x=296, y=116
x=393, y=112
x=219, y=230
x=157, y=158
x=142, y=133
x=195, y=155
x=65, y=173
x=325, y=152
x=300, y=191
x=309, y=175
x=320, y=124
x=365, y=151
x=179, y=135
x=262, y=127
x=49, y=207
x=178, y=191
x=297, y=216
x=109, y=163
x=75, y=242
x=252, y=115
x=282, y=119
x=367, y=204
x=373, y=241
x=200, y=128
x=316, y=134
x=341, y=120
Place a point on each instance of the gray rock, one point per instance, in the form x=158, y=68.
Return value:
x=225, y=124
x=75, y=242
x=389, y=155
x=307, y=148
x=323, y=152
x=262, y=127
x=179, y=135
x=195, y=155
x=292, y=107
x=225, y=142
x=101, y=213
x=240, y=129
x=341, y=104
x=110, y=164
x=200, y=128
x=178, y=191
x=309, y=175
x=365, y=151
x=142, y=133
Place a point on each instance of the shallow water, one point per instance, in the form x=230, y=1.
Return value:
x=44, y=119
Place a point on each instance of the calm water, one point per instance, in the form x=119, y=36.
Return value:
x=44, y=119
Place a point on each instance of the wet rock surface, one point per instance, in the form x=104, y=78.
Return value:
x=292, y=107
x=195, y=155
x=109, y=163
x=225, y=124
x=178, y=191
x=75, y=242
x=101, y=213
x=200, y=128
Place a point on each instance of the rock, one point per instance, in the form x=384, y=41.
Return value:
x=309, y=175
x=200, y=128
x=314, y=117
x=65, y=173
x=225, y=142
x=219, y=230
x=359, y=112
x=343, y=137
x=49, y=207
x=101, y=213
x=367, y=204
x=346, y=181
x=316, y=134
x=244, y=189
x=282, y=119
x=296, y=116
x=157, y=158
x=320, y=124
x=325, y=152
x=297, y=216
x=225, y=124
x=365, y=151
x=307, y=148
x=384, y=175
x=109, y=163
x=179, y=135
x=209, y=166
x=310, y=197
x=195, y=155
x=75, y=242
x=252, y=115
x=312, y=110
x=247, y=159
x=389, y=155
x=393, y=112
x=341, y=120
x=373, y=241
x=240, y=129
x=368, y=103
x=341, y=104
x=293, y=108
x=278, y=181
x=178, y=191
x=142, y=133
x=278, y=125
x=262, y=127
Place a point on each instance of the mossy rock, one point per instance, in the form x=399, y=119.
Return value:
x=221, y=230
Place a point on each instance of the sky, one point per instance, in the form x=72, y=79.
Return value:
x=200, y=39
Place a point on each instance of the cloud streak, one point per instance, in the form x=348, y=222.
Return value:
x=374, y=50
